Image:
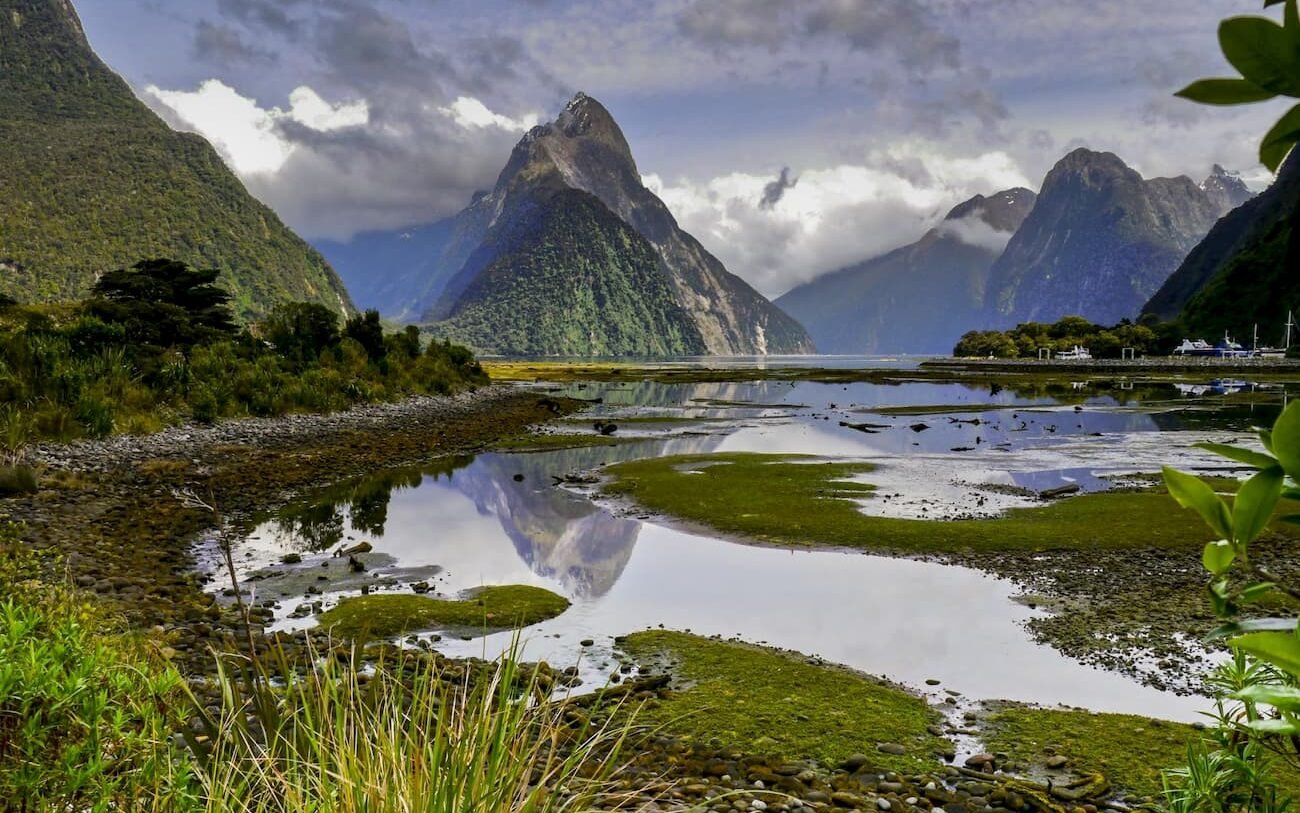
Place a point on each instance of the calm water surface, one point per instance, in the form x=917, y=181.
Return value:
x=498, y=519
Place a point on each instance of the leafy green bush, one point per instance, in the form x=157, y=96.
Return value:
x=301, y=331
x=86, y=713
x=1025, y=340
x=414, y=735
x=124, y=363
x=1258, y=691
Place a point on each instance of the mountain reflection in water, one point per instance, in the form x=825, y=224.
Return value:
x=563, y=538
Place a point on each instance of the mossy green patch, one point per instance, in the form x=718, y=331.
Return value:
x=797, y=500
x=635, y=420
x=550, y=443
x=767, y=702
x=1129, y=751
x=485, y=610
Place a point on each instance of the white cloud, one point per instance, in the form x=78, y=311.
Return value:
x=308, y=108
x=470, y=113
x=243, y=132
x=836, y=215
x=973, y=231
x=333, y=169
x=248, y=135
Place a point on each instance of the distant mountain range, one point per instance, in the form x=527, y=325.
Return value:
x=570, y=253
x=91, y=181
x=1097, y=241
x=1246, y=272
x=918, y=298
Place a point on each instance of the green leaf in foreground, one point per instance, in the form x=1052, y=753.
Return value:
x=1285, y=438
x=1282, y=649
x=1193, y=492
x=1264, y=53
x=1258, y=460
x=1253, y=625
x=1282, y=697
x=1280, y=140
x=1218, y=556
x=1254, y=504
x=1225, y=92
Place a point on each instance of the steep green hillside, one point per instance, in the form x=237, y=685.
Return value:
x=568, y=277
x=1245, y=271
x=91, y=180
x=584, y=149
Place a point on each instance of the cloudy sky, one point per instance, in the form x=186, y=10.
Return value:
x=790, y=136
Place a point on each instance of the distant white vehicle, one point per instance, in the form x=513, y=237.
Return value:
x=1077, y=353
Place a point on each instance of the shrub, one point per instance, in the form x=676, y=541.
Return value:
x=367, y=331
x=301, y=331
x=414, y=735
x=86, y=713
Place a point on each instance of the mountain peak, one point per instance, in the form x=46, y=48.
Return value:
x=1099, y=241
x=1083, y=160
x=172, y=195
x=1226, y=189
x=1004, y=210
x=582, y=139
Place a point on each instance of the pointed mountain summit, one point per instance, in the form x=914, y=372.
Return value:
x=1244, y=273
x=91, y=180
x=1226, y=189
x=584, y=151
x=1099, y=242
x=919, y=298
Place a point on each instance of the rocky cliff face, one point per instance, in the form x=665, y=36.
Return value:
x=139, y=189
x=1226, y=190
x=584, y=150
x=919, y=298
x=1245, y=272
x=1099, y=242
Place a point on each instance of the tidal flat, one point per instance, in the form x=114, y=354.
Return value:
x=949, y=540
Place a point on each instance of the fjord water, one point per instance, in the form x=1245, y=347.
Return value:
x=500, y=519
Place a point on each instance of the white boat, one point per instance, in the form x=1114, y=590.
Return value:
x=1077, y=353
x=1199, y=347
x=1276, y=352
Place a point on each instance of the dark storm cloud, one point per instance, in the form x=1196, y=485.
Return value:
x=266, y=15
x=412, y=162
x=373, y=50
x=911, y=67
x=720, y=23
x=902, y=28
x=224, y=46
x=774, y=191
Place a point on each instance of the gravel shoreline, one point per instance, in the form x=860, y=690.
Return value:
x=267, y=433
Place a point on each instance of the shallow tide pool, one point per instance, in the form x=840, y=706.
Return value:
x=500, y=519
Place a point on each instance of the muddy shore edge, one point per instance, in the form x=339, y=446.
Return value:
x=108, y=514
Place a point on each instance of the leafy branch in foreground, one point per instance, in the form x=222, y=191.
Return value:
x=1268, y=57
x=1258, y=691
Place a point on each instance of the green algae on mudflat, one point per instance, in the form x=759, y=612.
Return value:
x=488, y=609
x=770, y=702
x=521, y=444
x=1130, y=751
x=804, y=500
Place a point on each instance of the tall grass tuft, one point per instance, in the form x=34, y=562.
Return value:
x=412, y=735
